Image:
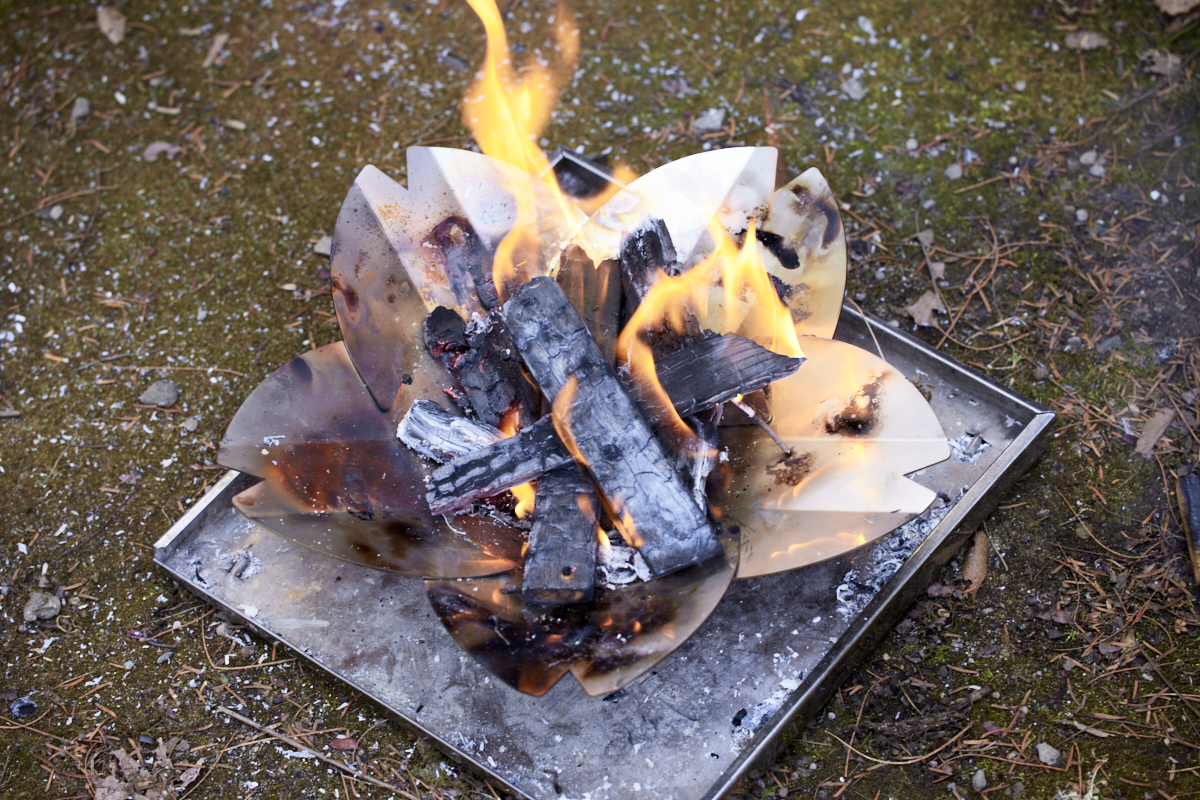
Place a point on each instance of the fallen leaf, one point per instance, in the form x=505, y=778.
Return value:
x=109, y=788
x=922, y=310
x=1153, y=430
x=111, y=23
x=925, y=237
x=975, y=565
x=156, y=149
x=343, y=744
x=214, y=51
x=1160, y=62
x=1176, y=7
x=937, y=270
x=1086, y=40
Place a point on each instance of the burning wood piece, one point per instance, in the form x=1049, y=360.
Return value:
x=560, y=566
x=645, y=254
x=714, y=369
x=481, y=360
x=457, y=485
x=595, y=291
x=653, y=508
x=703, y=453
x=757, y=420
x=435, y=433
x=468, y=262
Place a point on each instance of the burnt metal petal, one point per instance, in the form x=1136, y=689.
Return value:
x=855, y=427
x=337, y=480
x=605, y=643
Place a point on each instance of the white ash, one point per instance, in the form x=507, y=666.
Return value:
x=887, y=556
x=618, y=565
x=755, y=718
x=968, y=447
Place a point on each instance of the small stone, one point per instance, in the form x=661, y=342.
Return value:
x=1041, y=372
x=191, y=424
x=22, y=707
x=42, y=606
x=911, y=144
x=156, y=149
x=854, y=89
x=710, y=120
x=1089, y=158
x=80, y=109
x=56, y=212
x=1108, y=345
x=1097, y=171
x=1017, y=789
x=979, y=781
x=1086, y=40
x=324, y=246
x=928, y=204
x=1048, y=755
x=1081, y=215
x=880, y=274
x=1073, y=344
x=163, y=394
x=954, y=171
x=1019, y=86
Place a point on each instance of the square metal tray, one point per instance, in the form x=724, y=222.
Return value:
x=768, y=657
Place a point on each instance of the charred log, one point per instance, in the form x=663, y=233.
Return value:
x=462, y=482
x=655, y=510
x=468, y=262
x=483, y=363
x=435, y=433
x=595, y=291
x=560, y=565
x=646, y=254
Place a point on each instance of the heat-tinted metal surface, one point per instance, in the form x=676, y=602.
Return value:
x=605, y=643
x=336, y=479
x=669, y=734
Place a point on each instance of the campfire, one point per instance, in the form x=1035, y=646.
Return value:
x=578, y=415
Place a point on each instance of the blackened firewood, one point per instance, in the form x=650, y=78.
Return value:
x=655, y=511
x=483, y=362
x=702, y=452
x=718, y=368
x=435, y=433
x=595, y=291
x=695, y=379
x=646, y=254
x=468, y=262
x=467, y=479
x=560, y=565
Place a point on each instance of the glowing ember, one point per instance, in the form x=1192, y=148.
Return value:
x=438, y=288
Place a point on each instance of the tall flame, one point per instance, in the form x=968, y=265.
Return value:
x=730, y=291
x=506, y=109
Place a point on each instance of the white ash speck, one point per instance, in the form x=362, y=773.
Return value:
x=617, y=565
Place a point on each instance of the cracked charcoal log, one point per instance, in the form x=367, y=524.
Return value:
x=695, y=379
x=595, y=291
x=468, y=262
x=560, y=566
x=655, y=509
x=483, y=363
x=435, y=433
x=645, y=254
x=455, y=486
x=718, y=368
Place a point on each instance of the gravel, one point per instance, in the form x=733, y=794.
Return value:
x=163, y=394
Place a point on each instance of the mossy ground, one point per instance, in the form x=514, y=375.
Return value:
x=204, y=263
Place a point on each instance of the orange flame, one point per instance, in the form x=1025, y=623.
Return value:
x=730, y=291
x=524, y=493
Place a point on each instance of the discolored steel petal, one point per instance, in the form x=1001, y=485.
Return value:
x=803, y=235
x=389, y=265
x=855, y=427
x=730, y=184
x=337, y=480
x=605, y=643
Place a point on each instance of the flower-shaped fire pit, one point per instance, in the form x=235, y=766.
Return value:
x=651, y=370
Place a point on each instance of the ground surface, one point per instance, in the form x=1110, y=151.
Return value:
x=1068, y=244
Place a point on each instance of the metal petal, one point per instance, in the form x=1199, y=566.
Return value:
x=386, y=272
x=338, y=481
x=855, y=427
x=803, y=235
x=605, y=643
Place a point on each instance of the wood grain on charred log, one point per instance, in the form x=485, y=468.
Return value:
x=718, y=368
x=462, y=482
x=595, y=291
x=656, y=512
x=560, y=565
